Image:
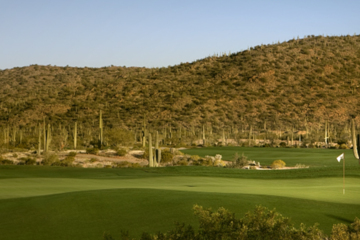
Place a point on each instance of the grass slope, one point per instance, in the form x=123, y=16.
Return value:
x=323, y=189
x=87, y=215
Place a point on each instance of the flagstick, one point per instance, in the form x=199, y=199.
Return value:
x=344, y=175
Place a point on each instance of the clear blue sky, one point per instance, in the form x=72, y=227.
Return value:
x=156, y=33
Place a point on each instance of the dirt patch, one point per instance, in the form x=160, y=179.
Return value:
x=106, y=158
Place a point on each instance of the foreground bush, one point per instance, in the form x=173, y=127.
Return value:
x=262, y=223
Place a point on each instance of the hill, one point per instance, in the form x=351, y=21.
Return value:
x=299, y=84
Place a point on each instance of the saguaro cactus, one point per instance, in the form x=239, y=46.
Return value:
x=75, y=135
x=44, y=134
x=157, y=150
x=143, y=132
x=151, y=158
x=203, y=135
x=39, y=146
x=48, y=137
x=250, y=134
x=355, y=140
x=101, y=126
x=223, y=138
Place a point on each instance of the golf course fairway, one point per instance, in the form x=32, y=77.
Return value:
x=41, y=202
x=319, y=189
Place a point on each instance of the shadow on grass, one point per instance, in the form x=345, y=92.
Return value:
x=339, y=218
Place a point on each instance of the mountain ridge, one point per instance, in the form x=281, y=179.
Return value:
x=295, y=83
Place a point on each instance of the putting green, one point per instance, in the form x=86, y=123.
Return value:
x=319, y=189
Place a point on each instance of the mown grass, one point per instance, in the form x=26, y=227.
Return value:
x=74, y=203
x=87, y=215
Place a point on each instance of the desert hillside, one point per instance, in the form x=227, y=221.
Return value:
x=299, y=84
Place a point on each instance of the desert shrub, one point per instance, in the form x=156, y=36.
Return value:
x=278, y=164
x=182, y=162
x=298, y=165
x=27, y=161
x=107, y=166
x=15, y=155
x=218, y=163
x=283, y=144
x=57, y=164
x=136, y=165
x=94, y=151
x=195, y=157
x=119, y=136
x=206, y=161
x=343, y=146
x=30, y=161
x=146, y=154
x=6, y=162
x=68, y=161
x=49, y=159
x=122, y=164
x=341, y=231
x=166, y=156
x=72, y=154
x=238, y=161
x=121, y=152
x=92, y=160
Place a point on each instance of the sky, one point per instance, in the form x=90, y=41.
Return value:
x=158, y=33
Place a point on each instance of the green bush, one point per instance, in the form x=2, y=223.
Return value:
x=94, y=151
x=92, y=160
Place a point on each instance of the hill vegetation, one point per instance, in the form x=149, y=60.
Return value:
x=308, y=85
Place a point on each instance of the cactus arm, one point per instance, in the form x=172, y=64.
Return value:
x=354, y=142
